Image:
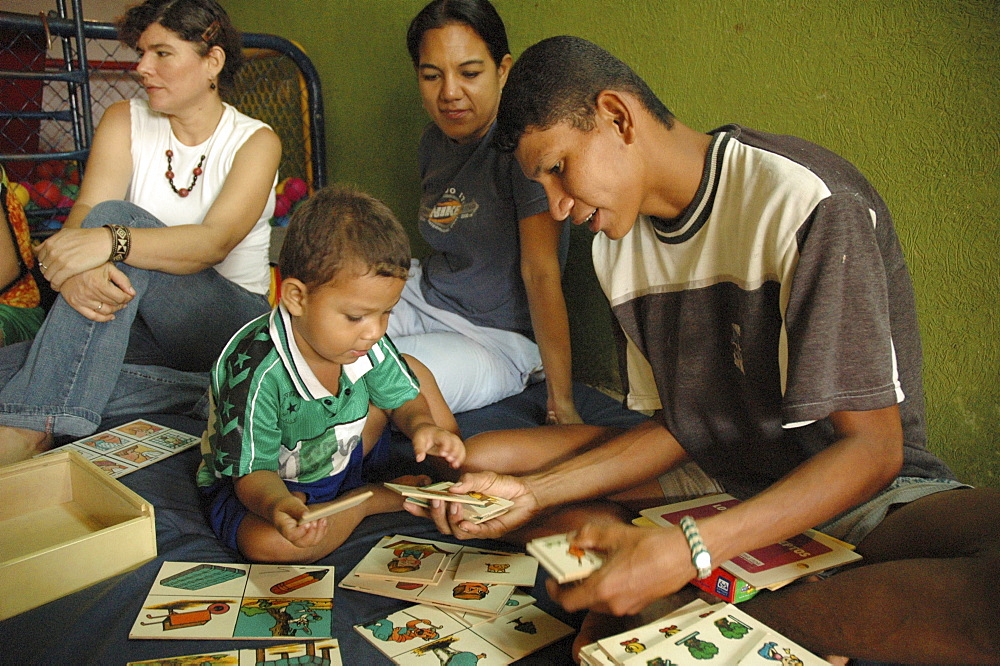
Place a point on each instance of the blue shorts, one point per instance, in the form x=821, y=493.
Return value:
x=225, y=511
x=854, y=524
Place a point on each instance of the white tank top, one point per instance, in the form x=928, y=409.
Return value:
x=247, y=263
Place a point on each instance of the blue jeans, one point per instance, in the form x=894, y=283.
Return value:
x=153, y=357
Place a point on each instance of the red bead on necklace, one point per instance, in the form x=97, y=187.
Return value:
x=184, y=191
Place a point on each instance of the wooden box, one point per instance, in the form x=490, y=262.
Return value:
x=65, y=525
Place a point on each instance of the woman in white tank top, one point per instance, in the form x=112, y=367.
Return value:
x=164, y=255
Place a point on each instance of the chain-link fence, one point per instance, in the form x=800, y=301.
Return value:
x=44, y=132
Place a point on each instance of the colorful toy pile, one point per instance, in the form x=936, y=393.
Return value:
x=58, y=184
x=289, y=194
x=56, y=187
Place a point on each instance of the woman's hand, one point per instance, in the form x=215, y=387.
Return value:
x=561, y=414
x=70, y=252
x=98, y=293
x=447, y=516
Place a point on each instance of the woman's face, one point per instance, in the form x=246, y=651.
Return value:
x=174, y=74
x=459, y=82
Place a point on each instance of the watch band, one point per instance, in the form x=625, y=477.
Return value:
x=700, y=557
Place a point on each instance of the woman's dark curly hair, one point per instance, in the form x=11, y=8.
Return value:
x=204, y=23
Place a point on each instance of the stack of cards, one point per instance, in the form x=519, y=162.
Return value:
x=696, y=633
x=131, y=446
x=428, y=572
x=476, y=507
x=326, y=652
x=261, y=601
x=564, y=562
x=428, y=635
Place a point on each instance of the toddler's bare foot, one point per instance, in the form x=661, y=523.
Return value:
x=17, y=444
x=412, y=480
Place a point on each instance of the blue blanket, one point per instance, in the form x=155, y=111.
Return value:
x=92, y=626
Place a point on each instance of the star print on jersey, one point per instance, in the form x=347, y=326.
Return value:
x=288, y=412
x=235, y=391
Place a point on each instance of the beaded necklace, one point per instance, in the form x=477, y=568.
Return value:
x=184, y=191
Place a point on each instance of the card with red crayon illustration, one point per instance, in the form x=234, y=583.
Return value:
x=191, y=600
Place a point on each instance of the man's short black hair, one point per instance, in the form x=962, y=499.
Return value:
x=558, y=79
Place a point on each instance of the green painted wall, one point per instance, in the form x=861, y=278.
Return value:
x=906, y=89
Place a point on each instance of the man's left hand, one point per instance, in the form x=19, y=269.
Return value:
x=641, y=564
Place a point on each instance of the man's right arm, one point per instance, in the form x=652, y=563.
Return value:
x=638, y=455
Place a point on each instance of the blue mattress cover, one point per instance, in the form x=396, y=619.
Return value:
x=92, y=626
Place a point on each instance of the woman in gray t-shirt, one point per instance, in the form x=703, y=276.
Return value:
x=485, y=310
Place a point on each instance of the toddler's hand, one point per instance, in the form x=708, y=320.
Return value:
x=435, y=441
x=285, y=517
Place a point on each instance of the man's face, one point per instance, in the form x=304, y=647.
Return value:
x=587, y=176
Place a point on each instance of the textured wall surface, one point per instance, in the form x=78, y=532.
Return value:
x=908, y=90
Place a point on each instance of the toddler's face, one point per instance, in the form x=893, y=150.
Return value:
x=342, y=319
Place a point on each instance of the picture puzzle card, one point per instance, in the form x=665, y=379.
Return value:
x=216, y=601
x=478, y=506
x=444, y=592
x=435, y=492
x=718, y=634
x=326, y=652
x=774, y=648
x=564, y=562
x=517, y=601
x=724, y=637
x=130, y=446
x=506, y=568
x=425, y=635
x=405, y=558
x=622, y=648
x=400, y=632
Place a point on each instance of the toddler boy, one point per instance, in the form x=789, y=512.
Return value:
x=302, y=395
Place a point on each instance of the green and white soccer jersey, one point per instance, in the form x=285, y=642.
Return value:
x=270, y=412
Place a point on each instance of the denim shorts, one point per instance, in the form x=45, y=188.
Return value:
x=854, y=524
x=225, y=511
x=689, y=481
